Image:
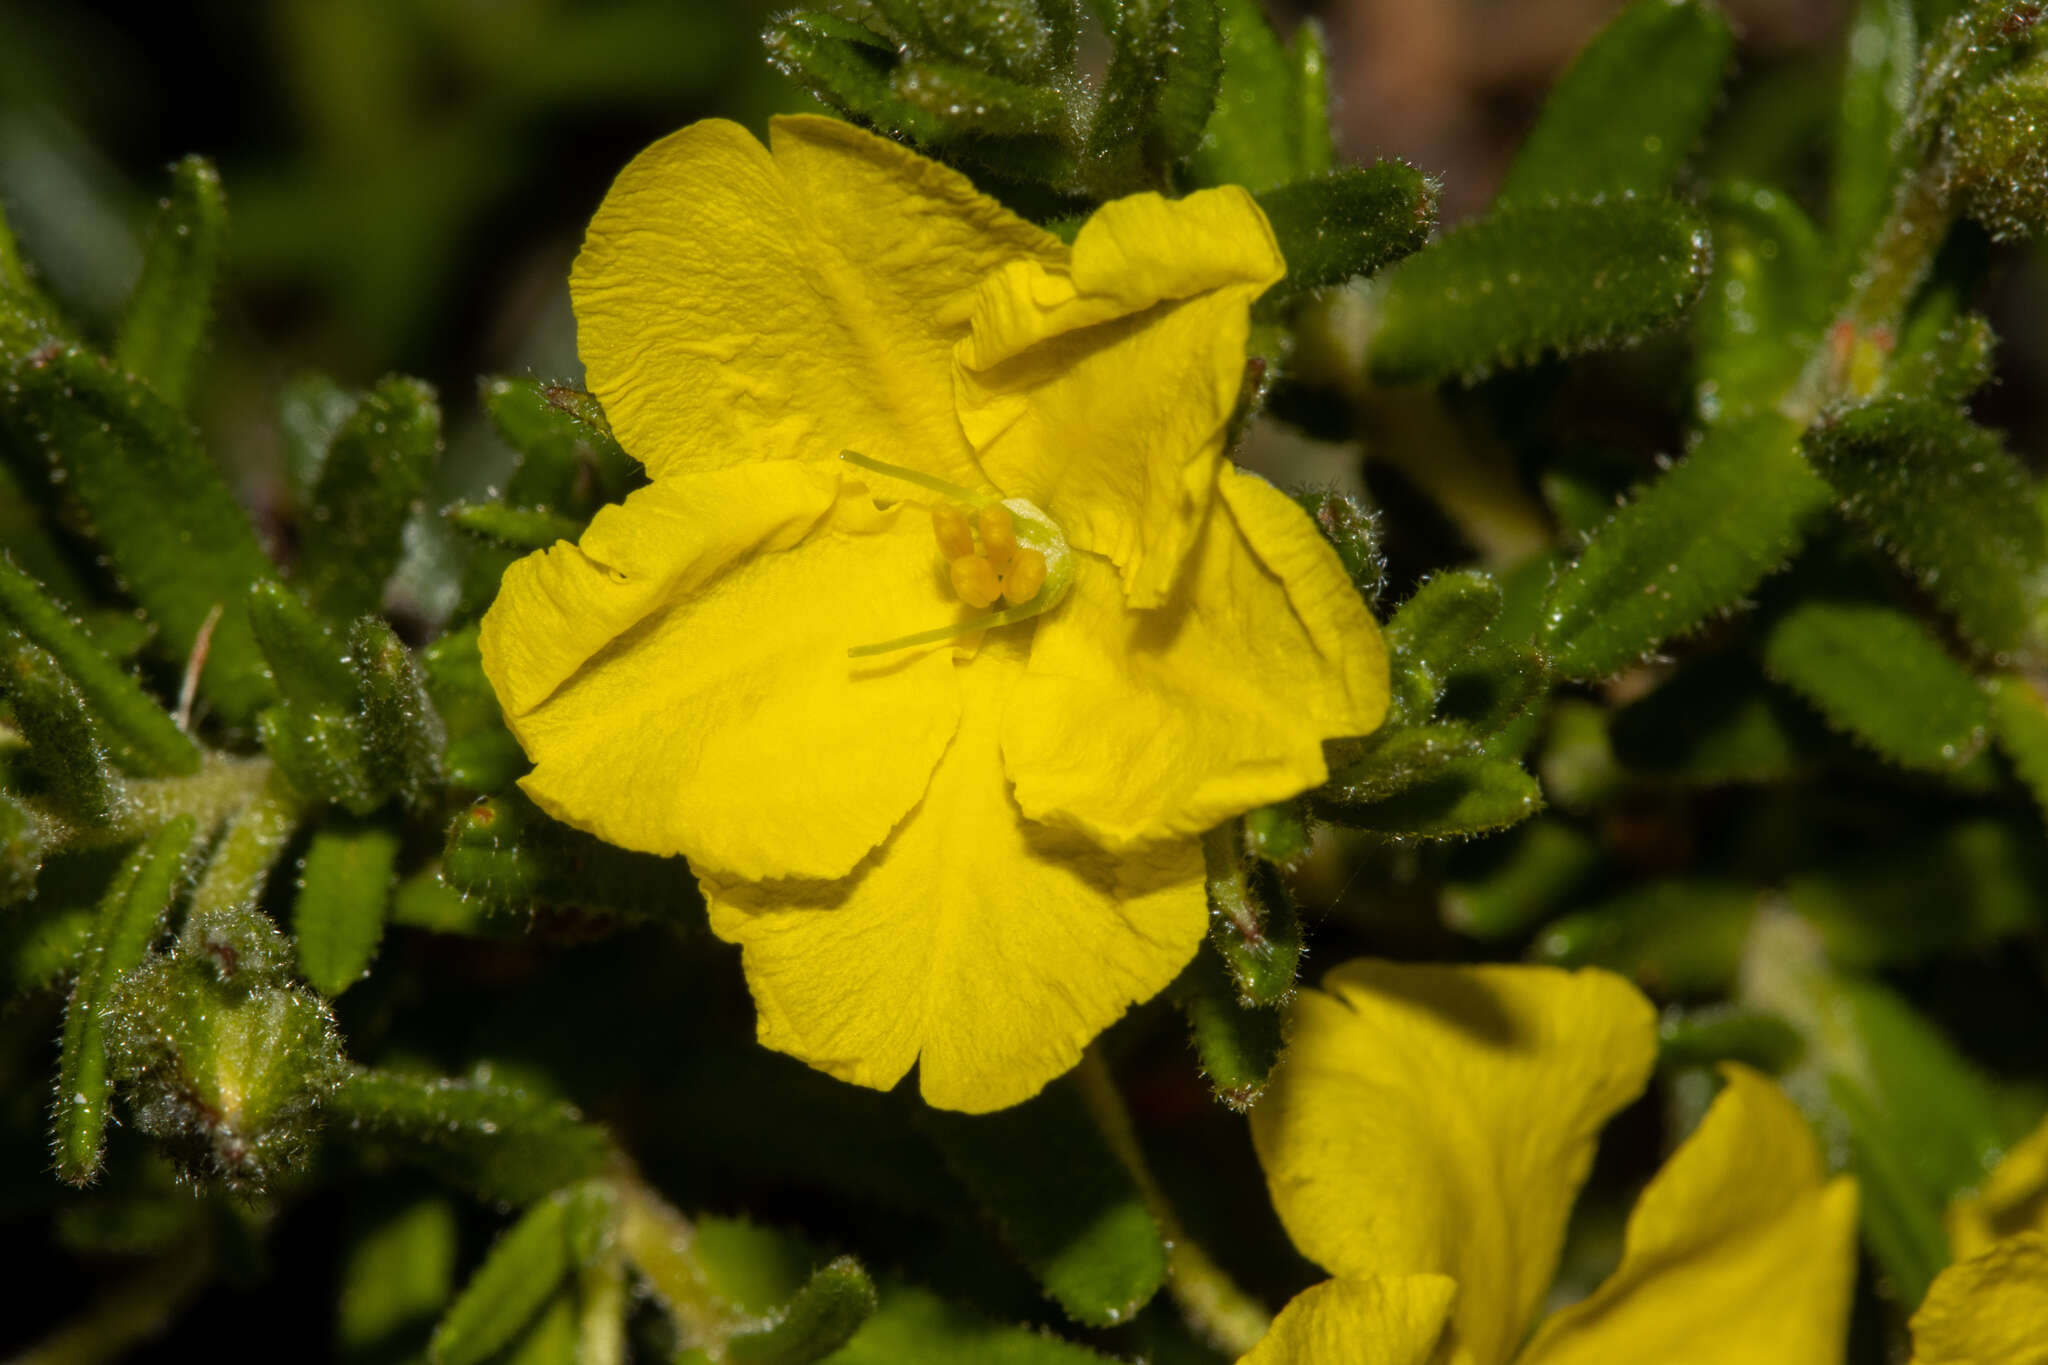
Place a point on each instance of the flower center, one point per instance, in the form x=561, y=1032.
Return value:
x=994, y=548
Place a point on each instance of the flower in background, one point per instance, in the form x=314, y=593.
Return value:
x=1424, y=1140
x=944, y=628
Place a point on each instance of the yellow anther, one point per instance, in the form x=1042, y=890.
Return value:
x=955, y=537
x=975, y=581
x=998, y=533
x=1026, y=575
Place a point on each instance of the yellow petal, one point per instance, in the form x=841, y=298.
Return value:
x=1101, y=391
x=680, y=678
x=2012, y=1200
x=1440, y=1120
x=984, y=947
x=1372, y=1320
x=1137, y=725
x=1989, y=1310
x=735, y=306
x=1740, y=1250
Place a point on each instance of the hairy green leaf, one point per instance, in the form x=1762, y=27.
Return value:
x=505, y=853
x=515, y=1281
x=1537, y=279
x=1504, y=886
x=1023, y=41
x=1189, y=43
x=144, y=740
x=2019, y=718
x=158, y=507
x=308, y=661
x=319, y=751
x=833, y=1305
x=311, y=411
x=65, y=750
x=1720, y=1033
x=1693, y=543
x=1764, y=306
x=849, y=67
x=1997, y=162
x=1462, y=797
x=1254, y=925
x=1874, y=672
x=968, y=99
x=344, y=888
x=376, y=469
x=1433, y=631
x=402, y=733
x=515, y=528
x=1061, y=1201
x=1630, y=108
x=1236, y=1043
x=165, y=324
x=1673, y=938
x=499, y=1141
x=1942, y=357
x=1881, y=71
x=130, y=916
x=38, y=951
x=1392, y=759
x=1352, y=529
x=1349, y=222
x=1946, y=499
x=1258, y=135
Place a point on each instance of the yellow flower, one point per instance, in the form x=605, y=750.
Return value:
x=971, y=854
x=1425, y=1138
x=1991, y=1307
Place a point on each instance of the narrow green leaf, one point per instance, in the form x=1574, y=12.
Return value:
x=966, y=99
x=1254, y=137
x=1870, y=906
x=1631, y=107
x=375, y=471
x=165, y=324
x=65, y=751
x=1022, y=41
x=916, y=1327
x=1492, y=689
x=1537, y=279
x=159, y=508
x=1721, y=1033
x=145, y=740
x=311, y=411
x=1506, y=886
x=1718, y=721
x=516, y=528
x=1679, y=939
x=27, y=532
x=1353, y=530
x=1694, y=543
x=515, y=1281
x=848, y=66
x=344, y=888
x=1946, y=499
x=319, y=751
x=1189, y=43
x=1393, y=759
x=1349, y=222
x=1061, y=1201
x=1433, y=631
x=552, y=1336
x=2020, y=720
x=402, y=734
x=38, y=951
x=506, y=854
x=1278, y=833
x=130, y=916
x=1119, y=136
x=837, y=1300
x=1315, y=147
x=1880, y=72
x=1899, y=1222
x=1764, y=306
x=500, y=1142
x=481, y=755
x=1463, y=797
x=1997, y=156
x=1942, y=357
x=396, y=1279
x=1236, y=1043
x=308, y=661
x=1874, y=673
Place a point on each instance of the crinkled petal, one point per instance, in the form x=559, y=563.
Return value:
x=2013, y=1199
x=1740, y=1250
x=1440, y=1120
x=736, y=306
x=1371, y=1320
x=1989, y=1310
x=984, y=947
x=1101, y=390
x=1221, y=699
x=681, y=682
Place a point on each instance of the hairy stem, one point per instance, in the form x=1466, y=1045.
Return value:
x=1230, y=1319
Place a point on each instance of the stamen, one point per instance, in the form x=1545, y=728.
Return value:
x=1025, y=576
x=949, y=526
x=926, y=481
x=998, y=533
x=975, y=581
